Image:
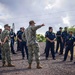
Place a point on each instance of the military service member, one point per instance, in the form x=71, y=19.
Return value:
x=5, y=46
x=32, y=43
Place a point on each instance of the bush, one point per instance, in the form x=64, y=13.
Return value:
x=40, y=38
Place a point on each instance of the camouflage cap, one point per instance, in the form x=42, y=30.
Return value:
x=30, y=22
x=6, y=25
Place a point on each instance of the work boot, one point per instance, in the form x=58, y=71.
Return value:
x=38, y=66
x=29, y=67
x=10, y=65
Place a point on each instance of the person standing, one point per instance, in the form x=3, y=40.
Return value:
x=50, y=37
x=59, y=41
x=0, y=44
x=18, y=43
x=69, y=46
x=5, y=47
x=19, y=37
x=32, y=43
x=12, y=36
x=64, y=36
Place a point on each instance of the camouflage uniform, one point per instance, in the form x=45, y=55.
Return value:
x=5, y=47
x=32, y=43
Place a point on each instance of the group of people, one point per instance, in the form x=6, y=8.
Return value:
x=65, y=41
x=26, y=40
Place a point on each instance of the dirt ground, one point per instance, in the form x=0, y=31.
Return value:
x=50, y=67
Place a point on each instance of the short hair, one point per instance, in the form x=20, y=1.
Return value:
x=60, y=28
x=70, y=31
x=50, y=28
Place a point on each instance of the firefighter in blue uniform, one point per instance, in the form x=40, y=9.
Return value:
x=50, y=37
x=69, y=46
x=64, y=36
x=12, y=36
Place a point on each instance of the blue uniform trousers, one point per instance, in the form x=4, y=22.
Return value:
x=50, y=46
x=61, y=46
x=12, y=46
x=22, y=47
x=68, y=48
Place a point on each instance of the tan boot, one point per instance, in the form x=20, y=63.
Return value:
x=10, y=65
x=38, y=66
x=29, y=67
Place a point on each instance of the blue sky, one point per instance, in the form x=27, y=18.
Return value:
x=53, y=13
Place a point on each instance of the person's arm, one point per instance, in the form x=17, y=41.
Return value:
x=48, y=39
x=23, y=37
x=6, y=38
x=19, y=39
x=58, y=34
x=54, y=38
x=37, y=27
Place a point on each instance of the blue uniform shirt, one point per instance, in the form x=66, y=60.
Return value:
x=12, y=35
x=50, y=35
x=19, y=35
x=65, y=35
x=70, y=40
x=59, y=37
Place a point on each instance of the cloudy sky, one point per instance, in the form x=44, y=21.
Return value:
x=53, y=13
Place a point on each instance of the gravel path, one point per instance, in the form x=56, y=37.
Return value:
x=50, y=67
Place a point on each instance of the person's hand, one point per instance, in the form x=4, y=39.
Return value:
x=42, y=25
x=20, y=40
x=2, y=43
x=52, y=41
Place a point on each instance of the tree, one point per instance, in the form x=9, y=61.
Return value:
x=72, y=29
x=40, y=38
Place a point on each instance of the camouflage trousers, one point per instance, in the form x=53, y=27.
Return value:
x=33, y=49
x=5, y=49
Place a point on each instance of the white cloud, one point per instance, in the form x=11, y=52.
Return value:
x=55, y=4
x=66, y=20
